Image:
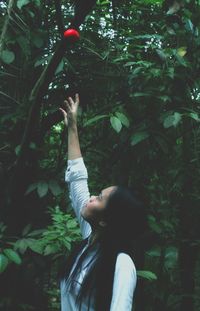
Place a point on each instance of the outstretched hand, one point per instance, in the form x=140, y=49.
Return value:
x=70, y=113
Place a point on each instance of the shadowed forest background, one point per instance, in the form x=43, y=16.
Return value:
x=136, y=68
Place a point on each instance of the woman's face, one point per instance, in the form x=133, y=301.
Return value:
x=93, y=209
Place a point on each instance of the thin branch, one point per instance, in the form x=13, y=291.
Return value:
x=82, y=9
x=36, y=97
x=59, y=18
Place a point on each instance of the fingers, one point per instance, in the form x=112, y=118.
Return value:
x=64, y=115
x=70, y=100
x=63, y=112
x=77, y=98
x=68, y=105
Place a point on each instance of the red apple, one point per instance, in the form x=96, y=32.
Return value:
x=72, y=35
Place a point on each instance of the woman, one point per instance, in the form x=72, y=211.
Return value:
x=100, y=274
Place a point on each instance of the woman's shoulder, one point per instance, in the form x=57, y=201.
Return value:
x=125, y=262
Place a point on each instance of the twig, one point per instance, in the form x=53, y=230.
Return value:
x=59, y=16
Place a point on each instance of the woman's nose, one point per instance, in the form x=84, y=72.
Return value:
x=92, y=197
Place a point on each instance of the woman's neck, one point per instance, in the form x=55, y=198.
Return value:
x=95, y=235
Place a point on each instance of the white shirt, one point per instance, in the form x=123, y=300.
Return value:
x=125, y=277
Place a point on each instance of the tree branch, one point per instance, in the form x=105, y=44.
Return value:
x=59, y=19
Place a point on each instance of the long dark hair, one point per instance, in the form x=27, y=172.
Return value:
x=126, y=219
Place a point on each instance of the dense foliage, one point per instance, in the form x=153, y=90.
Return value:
x=136, y=69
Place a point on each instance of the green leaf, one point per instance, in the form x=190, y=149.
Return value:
x=136, y=71
x=36, y=232
x=171, y=257
x=2, y=227
x=153, y=224
x=124, y=120
x=162, y=143
x=50, y=249
x=12, y=255
x=71, y=224
x=138, y=137
x=170, y=72
x=31, y=187
x=24, y=45
x=3, y=262
x=42, y=188
x=148, y=36
x=181, y=60
x=119, y=59
x=54, y=187
x=172, y=120
x=32, y=145
x=60, y=67
x=17, y=149
x=26, y=229
x=157, y=2
x=194, y=116
x=189, y=25
x=129, y=64
x=21, y=3
x=37, y=2
x=21, y=245
x=116, y=123
x=7, y=56
x=37, y=40
x=35, y=245
x=94, y=119
x=155, y=72
x=139, y=94
x=165, y=98
x=42, y=61
x=154, y=252
x=147, y=275
x=68, y=245
x=143, y=64
x=161, y=54
x=102, y=2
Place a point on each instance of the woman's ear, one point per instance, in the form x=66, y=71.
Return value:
x=102, y=223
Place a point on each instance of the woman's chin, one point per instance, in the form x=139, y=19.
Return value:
x=84, y=212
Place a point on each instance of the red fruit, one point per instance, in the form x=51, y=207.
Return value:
x=72, y=35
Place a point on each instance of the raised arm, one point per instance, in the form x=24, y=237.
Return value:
x=74, y=150
x=76, y=174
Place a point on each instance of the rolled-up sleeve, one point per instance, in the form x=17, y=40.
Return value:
x=125, y=279
x=76, y=176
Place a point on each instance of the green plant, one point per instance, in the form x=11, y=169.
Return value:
x=54, y=239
